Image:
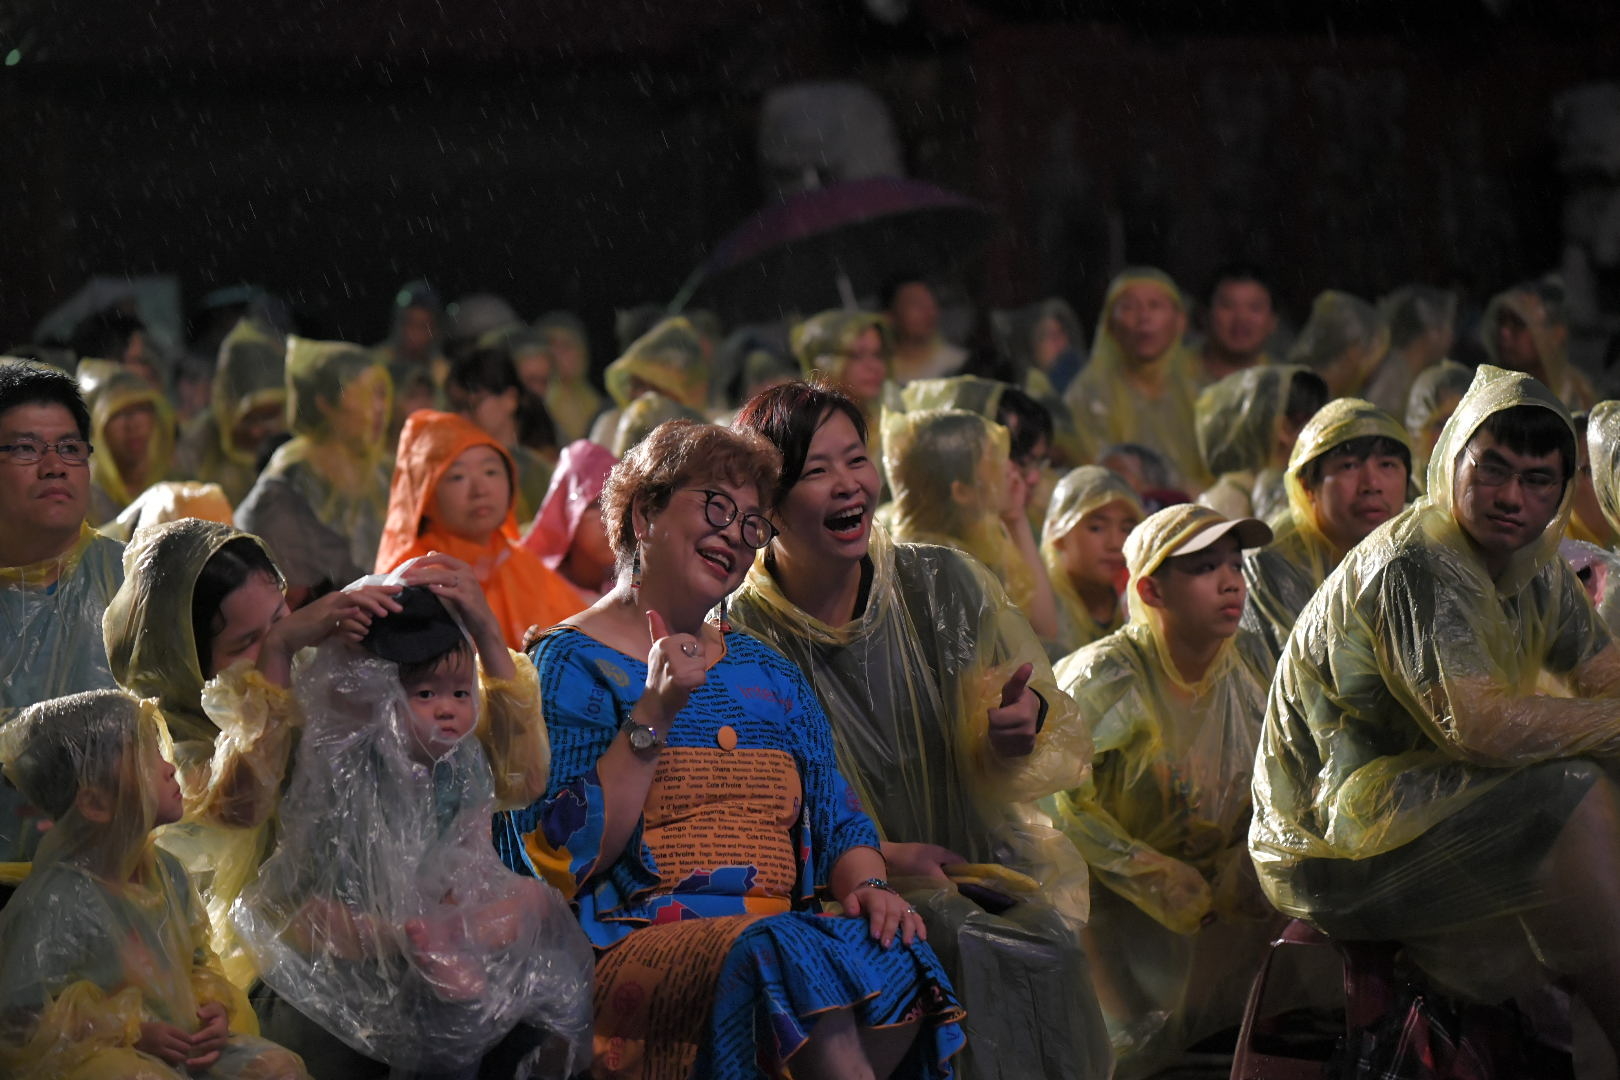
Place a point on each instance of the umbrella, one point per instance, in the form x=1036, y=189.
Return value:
x=822, y=248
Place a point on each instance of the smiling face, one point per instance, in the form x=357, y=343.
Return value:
x=1356, y=495
x=689, y=555
x=1146, y=321
x=245, y=616
x=1093, y=552
x=1504, y=499
x=49, y=496
x=442, y=705
x=473, y=496
x=1202, y=593
x=827, y=514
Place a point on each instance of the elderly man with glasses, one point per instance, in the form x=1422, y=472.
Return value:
x=56, y=573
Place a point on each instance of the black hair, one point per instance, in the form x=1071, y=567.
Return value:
x=79, y=739
x=891, y=287
x=1239, y=271
x=1027, y=420
x=24, y=382
x=459, y=653
x=1533, y=431
x=787, y=416
x=226, y=570
x=1365, y=447
x=105, y=334
x=490, y=369
x=1307, y=393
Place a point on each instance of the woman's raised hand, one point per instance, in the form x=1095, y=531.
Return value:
x=675, y=666
x=454, y=582
x=346, y=613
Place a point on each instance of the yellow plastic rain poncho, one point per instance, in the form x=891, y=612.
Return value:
x=171, y=500
x=1603, y=446
x=668, y=358
x=1433, y=398
x=109, y=389
x=1343, y=341
x=231, y=737
x=1560, y=376
x=1283, y=575
x=320, y=504
x=822, y=342
x=1163, y=823
x=1239, y=425
x=1088, y=488
x=908, y=686
x=1420, y=320
x=1108, y=409
x=570, y=398
x=948, y=471
x=107, y=934
x=1410, y=777
x=50, y=620
x=250, y=378
x=637, y=420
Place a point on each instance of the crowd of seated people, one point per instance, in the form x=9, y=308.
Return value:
x=806, y=702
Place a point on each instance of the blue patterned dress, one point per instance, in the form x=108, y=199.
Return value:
x=713, y=960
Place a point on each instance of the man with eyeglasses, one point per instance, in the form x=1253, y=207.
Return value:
x=1437, y=757
x=56, y=573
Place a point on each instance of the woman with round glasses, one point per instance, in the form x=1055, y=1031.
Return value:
x=695, y=813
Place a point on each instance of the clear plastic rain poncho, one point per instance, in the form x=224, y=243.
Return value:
x=1599, y=570
x=1433, y=398
x=822, y=342
x=1343, y=341
x=1411, y=779
x=1239, y=424
x=50, y=619
x=1419, y=317
x=948, y=471
x=908, y=686
x=230, y=735
x=250, y=377
x=108, y=390
x=1082, y=490
x=321, y=502
x=637, y=420
x=385, y=914
x=1109, y=410
x=1284, y=575
x=1531, y=303
x=107, y=934
x=1603, y=446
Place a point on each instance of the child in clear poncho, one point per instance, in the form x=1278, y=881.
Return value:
x=1176, y=698
x=385, y=914
x=105, y=969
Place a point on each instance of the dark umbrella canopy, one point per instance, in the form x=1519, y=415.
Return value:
x=788, y=258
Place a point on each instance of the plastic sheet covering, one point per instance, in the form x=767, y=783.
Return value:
x=1108, y=410
x=171, y=500
x=319, y=505
x=1603, y=446
x=1343, y=341
x=106, y=933
x=637, y=420
x=1408, y=695
x=109, y=388
x=1433, y=391
x=1560, y=376
x=1239, y=419
x=669, y=359
x=1163, y=822
x=1082, y=490
x=1283, y=575
x=50, y=620
x=385, y=914
x=907, y=687
x=576, y=486
x=1599, y=569
x=231, y=737
x=250, y=375
x=926, y=454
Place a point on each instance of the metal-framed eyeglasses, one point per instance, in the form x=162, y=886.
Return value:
x=32, y=451
x=720, y=510
x=1542, y=483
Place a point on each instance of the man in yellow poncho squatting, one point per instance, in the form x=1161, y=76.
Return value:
x=1525, y=329
x=1140, y=384
x=1348, y=474
x=222, y=446
x=1248, y=424
x=1412, y=784
x=1091, y=513
x=1178, y=925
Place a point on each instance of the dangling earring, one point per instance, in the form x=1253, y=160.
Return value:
x=635, y=570
x=725, y=623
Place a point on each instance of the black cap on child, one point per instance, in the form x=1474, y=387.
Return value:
x=423, y=629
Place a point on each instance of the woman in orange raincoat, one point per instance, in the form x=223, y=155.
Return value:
x=453, y=492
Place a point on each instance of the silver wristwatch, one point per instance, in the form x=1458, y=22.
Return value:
x=642, y=737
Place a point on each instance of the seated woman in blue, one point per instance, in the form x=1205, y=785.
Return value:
x=695, y=814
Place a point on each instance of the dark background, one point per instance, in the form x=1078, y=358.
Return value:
x=567, y=153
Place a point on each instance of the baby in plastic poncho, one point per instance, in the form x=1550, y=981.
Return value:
x=384, y=914
x=105, y=969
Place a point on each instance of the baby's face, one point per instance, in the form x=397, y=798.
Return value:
x=442, y=707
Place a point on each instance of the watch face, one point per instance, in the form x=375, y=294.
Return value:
x=643, y=738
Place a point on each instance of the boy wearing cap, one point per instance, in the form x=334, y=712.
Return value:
x=1176, y=698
